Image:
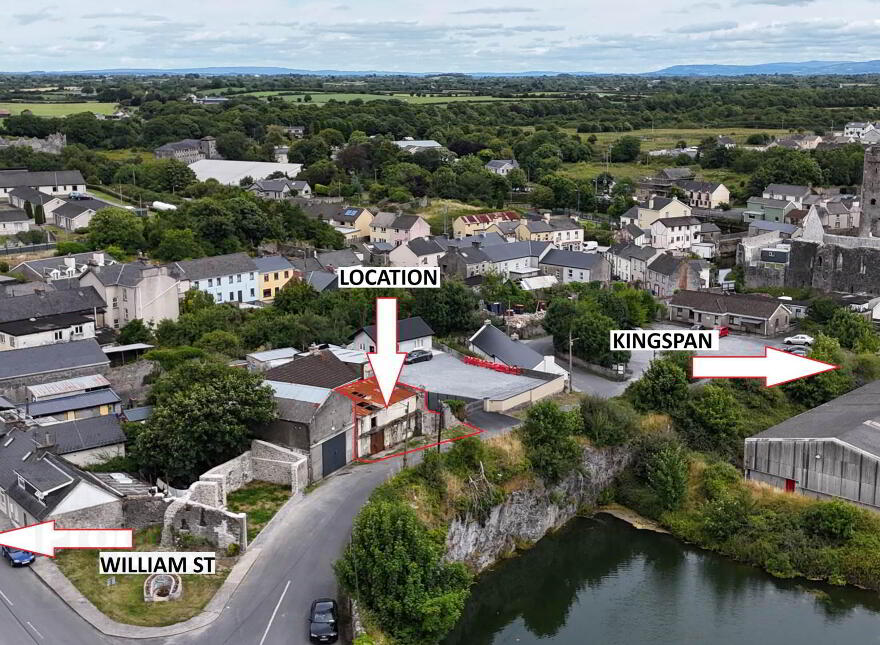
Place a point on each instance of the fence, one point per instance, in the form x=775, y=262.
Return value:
x=31, y=248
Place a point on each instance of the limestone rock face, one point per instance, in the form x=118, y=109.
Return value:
x=527, y=515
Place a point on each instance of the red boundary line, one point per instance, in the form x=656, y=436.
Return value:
x=354, y=432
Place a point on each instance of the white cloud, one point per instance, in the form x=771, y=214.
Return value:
x=701, y=27
x=495, y=10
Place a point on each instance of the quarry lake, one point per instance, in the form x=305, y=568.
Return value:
x=599, y=580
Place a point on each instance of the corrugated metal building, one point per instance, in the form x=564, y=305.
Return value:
x=830, y=451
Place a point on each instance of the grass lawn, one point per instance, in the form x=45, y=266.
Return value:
x=636, y=171
x=107, y=197
x=449, y=209
x=663, y=138
x=260, y=500
x=59, y=109
x=124, y=601
x=124, y=154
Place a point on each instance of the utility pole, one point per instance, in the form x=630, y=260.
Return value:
x=570, y=360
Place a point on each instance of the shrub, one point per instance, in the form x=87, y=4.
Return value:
x=662, y=388
x=718, y=478
x=608, y=422
x=726, y=515
x=667, y=475
x=546, y=435
x=835, y=520
x=233, y=550
x=458, y=408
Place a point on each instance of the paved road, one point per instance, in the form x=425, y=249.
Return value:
x=270, y=605
x=731, y=345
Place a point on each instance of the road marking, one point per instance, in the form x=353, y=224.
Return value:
x=35, y=629
x=6, y=598
x=277, y=605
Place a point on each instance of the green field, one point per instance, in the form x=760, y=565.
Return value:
x=320, y=98
x=663, y=138
x=59, y=109
x=636, y=171
x=124, y=154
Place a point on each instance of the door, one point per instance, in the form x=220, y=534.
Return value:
x=789, y=485
x=333, y=454
x=377, y=442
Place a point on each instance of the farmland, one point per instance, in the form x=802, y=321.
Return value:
x=320, y=98
x=59, y=109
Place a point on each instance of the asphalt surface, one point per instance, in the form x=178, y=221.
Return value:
x=583, y=381
x=270, y=605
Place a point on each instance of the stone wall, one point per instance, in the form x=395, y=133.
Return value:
x=129, y=381
x=105, y=516
x=765, y=276
x=215, y=525
x=142, y=512
x=831, y=267
x=528, y=515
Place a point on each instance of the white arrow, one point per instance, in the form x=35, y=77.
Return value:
x=775, y=367
x=386, y=361
x=44, y=538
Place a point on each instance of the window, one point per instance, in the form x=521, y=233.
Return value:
x=230, y=280
x=276, y=275
x=59, y=335
x=125, y=295
x=251, y=275
x=78, y=329
x=267, y=293
x=238, y=278
x=115, y=302
x=266, y=277
x=116, y=323
x=231, y=295
x=12, y=341
x=210, y=282
x=287, y=274
x=125, y=313
x=196, y=284
x=2, y=339
x=252, y=292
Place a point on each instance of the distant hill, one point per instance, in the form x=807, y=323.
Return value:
x=806, y=68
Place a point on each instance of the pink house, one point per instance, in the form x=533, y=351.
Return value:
x=398, y=229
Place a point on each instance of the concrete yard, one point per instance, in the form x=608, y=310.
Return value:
x=449, y=375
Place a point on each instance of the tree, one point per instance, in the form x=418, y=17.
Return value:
x=608, y=422
x=29, y=210
x=711, y=419
x=662, y=388
x=853, y=331
x=823, y=387
x=394, y=566
x=178, y=244
x=626, y=149
x=233, y=145
x=295, y=297
x=547, y=437
x=451, y=308
x=39, y=215
x=220, y=341
x=203, y=415
x=667, y=475
x=135, y=332
x=117, y=227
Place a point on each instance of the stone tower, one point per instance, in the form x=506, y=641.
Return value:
x=869, y=222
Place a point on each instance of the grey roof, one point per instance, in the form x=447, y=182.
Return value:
x=697, y=185
x=471, y=255
x=77, y=207
x=407, y=329
x=500, y=163
x=271, y=185
x=92, y=399
x=138, y=414
x=788, y=189
x=321, y=370
x=38, y=268
x=297, y=402
x=844, y=418
x=405, y=222
x=768, y=201
x=46, y=323
x=555, y=224
x=13, y=216
x=665, y=264
x=679, y=172
x=723, y=303
x=38, y=305
x=422, y=246
x=514, y=250
x=126, y=275
x=493, y=342
x=16, y=178
x=631, y=213
x=31, y=195
x=217, y=265
x=766, y=225
x=336, y=259
x=17, y=363
x=633, y=230
x=482, y=239
x=183, y=144
x=709, y=227
x=656, y=203
x=321, y=280
x=382, y=247
x=349, y=214
x=272, y=263
x=85, y=434
x=678, y=221
x=383, y=219
x=573, y=259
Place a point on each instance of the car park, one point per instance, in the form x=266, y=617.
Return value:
x=799, y=339
x=323, y=619
x=17, y=557
x=418, y=355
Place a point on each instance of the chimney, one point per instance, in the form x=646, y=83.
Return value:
x=70, y=262
x=546, y=217
x=98, y=259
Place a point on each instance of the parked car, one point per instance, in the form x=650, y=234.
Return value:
x=799, y=339
x=418, y=355
x=17, y=558
x=722, y=330
x=323, y=617
x=696, y=327
x=799, y=350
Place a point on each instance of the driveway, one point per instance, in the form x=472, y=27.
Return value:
x=587, y=382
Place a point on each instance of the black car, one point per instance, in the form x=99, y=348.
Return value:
x=323, y=617
x=418, y=355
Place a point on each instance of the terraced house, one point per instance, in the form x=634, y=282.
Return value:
x=228, y=278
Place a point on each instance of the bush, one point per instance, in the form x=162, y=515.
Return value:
x=662, y=388
x=667, y=475
x=726, y=515
x=458, y=408
x=546, y=435
x=70, y=248
x=233, y=550
x=608, y=422
x=835, y=520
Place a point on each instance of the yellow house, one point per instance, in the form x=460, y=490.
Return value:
x=352, y=221
x=274, y=272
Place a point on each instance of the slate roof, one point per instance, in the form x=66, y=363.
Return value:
x=669, y=222
x=471, y=255
x=407, y=329
x=483, y=239
x=631, y=213
x=271, y=263
x=494, y=342
x=665, y=264
x=138, y=414
x=46, y=323
x=657, y=203
x=709, y=227
x=847, y=418
x=38, y=268
x=768, y=201
x=211, y=267
x=321, y=280
x=85, y=434
x=125, y=275
x=633, y=230
x=734, y=303
x=555, y=224
x=29, y=361
x=500, y=163
x=767, y=225
x=16, y=178
x=405, y=222
x=341, y=258
x=349, y=214
x=680, y=172
x=321, y=369
x=50, y=303
x=383, y=219
x=788, y=189
x=573, y=259
x=273, y=185
x=31, y=195
x=13, y=216
x=422, y=246
x=515, y=250
x=81, y=401
x=697, y=185
x=76, y=207
x=183, y=144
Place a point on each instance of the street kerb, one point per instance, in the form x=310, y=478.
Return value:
x=368, y=460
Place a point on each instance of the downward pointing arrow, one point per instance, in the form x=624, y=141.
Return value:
x=775, y=367
x=386, y=360
x=44, y=538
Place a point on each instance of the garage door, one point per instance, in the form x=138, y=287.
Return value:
x=333, y=454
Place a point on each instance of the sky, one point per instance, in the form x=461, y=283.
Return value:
x=449, y=36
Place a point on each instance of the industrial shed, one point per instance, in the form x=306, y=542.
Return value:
x=830, y=451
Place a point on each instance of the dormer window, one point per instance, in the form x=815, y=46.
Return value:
x=20, y=481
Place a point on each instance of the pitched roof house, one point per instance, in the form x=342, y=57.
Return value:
x=749, y=313
x=135, y=291
x=412, y=333
x=479, y=222
x=572, y=266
